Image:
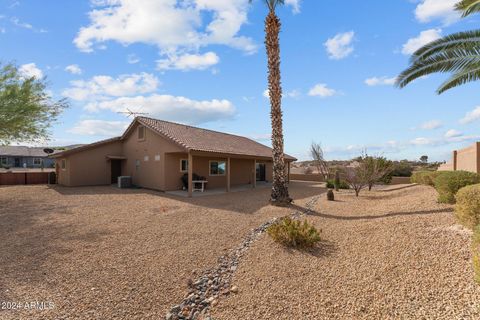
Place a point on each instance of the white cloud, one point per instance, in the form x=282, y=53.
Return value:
x=293, y=93
x=471, y=116
x=452, y=133
x=188, y=62
x=321, y=90
x=99, y=128
x=101, y=87
x=380, y=81
x=431, y=125
x=422, y=39
x=421, y=141
x=132, y=59
x=295, y=4
x=73, y=69
x=184, y=26
x=340, y=46
x=167, y=107
x=428, y=10
x=30, y=70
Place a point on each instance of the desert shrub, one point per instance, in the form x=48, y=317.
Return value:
x=476, y=253
x=402, y=169
x=343, y=184
x=467, y=209
x=426, y=177
x=294, y=233
x=330, y=195
x=449, y=182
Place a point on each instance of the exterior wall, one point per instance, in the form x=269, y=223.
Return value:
x=150, y=173
x=172, y=171
x=89, y=167
x=28, y=161
x=307, y=177
x=467, y=159
x=241, y=171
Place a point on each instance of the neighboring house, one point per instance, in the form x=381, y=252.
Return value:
x=467, y=159
x=24, y=157
x=156, y=154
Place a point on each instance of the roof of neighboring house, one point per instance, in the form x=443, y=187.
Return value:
x=83, y=147
x=198, y=139
x=193, y=139
x=22, y=151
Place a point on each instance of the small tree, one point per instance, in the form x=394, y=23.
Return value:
x=424, y=159
x=356, y=177
x=26, y=109
x=337, y=180
x=376, y=168
x=319, y=161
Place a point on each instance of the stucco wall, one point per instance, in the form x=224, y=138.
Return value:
x=90, y=167
x=467, y=159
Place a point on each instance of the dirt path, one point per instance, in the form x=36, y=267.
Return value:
x=386, y=255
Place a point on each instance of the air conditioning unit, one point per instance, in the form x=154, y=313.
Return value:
x=124, y=182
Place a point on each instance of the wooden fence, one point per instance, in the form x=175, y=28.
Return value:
x=19, y=178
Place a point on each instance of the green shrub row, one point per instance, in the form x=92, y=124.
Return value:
x=450, y=182
x=343, y=184
x=426, y=177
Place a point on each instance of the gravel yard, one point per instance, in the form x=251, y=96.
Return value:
x=104, y=253
x=393, y=254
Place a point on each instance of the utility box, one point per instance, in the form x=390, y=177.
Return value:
x=124, y=182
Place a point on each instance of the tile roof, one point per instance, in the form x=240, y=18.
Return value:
x=198, y=139
x=22, y=151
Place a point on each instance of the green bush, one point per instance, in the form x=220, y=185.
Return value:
x=426, y=177
x=449, y=182
x=343, y=184
x=467, y=209
x=294, y=233
x=476, y=253
x=402, y=169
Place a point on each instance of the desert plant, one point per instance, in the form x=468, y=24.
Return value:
x=356, y=177
x=376, y=169
x=476, y=253
x=467, y=209
x=448, y=183
x=308, y=170
x=402, y=169
x=426, y=177
x=330, y=195
x=319, y=161
x=337, y=180
x=342, y=185
x=294, y=233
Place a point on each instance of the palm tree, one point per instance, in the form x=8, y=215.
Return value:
x=458, y=53
x=272, y=30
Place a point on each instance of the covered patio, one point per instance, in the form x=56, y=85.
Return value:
x=218, y=191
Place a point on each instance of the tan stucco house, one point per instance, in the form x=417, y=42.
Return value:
x=156, y=154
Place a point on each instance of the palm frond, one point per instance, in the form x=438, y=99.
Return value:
x=468, y=7
x=461, y=40
x=460, y=78
x=271, y=4
x=447, y=61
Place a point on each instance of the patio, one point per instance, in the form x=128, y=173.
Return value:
x=217, y=191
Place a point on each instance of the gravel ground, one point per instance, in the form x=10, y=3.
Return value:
x=393, y=254
x=104, y=253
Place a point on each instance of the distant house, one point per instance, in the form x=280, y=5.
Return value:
x=24, y=157
x=157, y=154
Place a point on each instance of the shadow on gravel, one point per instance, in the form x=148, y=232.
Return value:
x=370, y=217
x=322, y=250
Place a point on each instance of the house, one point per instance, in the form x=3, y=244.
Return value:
x=24, y=157
x=157, y=154
x=467, y=159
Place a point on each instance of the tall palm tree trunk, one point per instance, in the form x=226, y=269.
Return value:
x=272, y=30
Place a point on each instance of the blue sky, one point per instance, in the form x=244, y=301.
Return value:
x=202, y=62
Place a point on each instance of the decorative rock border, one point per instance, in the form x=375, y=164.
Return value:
x=207, y=289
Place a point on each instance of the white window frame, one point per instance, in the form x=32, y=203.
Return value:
x=138, y=133
x=218, y=162
x=63, y=164
x=181, y=165
x=39, y=161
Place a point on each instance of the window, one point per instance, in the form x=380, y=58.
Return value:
x=137, y=164
x=63, y=164
x=146, y=158
x=141, y=133
x=37, y=161
x=218, y=168
x=184, y=165
x=3, y=161
x=157, y=157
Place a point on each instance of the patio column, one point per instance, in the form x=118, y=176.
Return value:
x=288, y=172
x=228, y=174
x=190, y=175
x=254, y=184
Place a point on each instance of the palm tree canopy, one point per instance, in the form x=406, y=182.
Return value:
x=458, y=53
x=468, y=7
x=272, y=4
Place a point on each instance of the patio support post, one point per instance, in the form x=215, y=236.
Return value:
x=228, y=174
x=254, y=173
x=288, y=173
x=190, y=175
